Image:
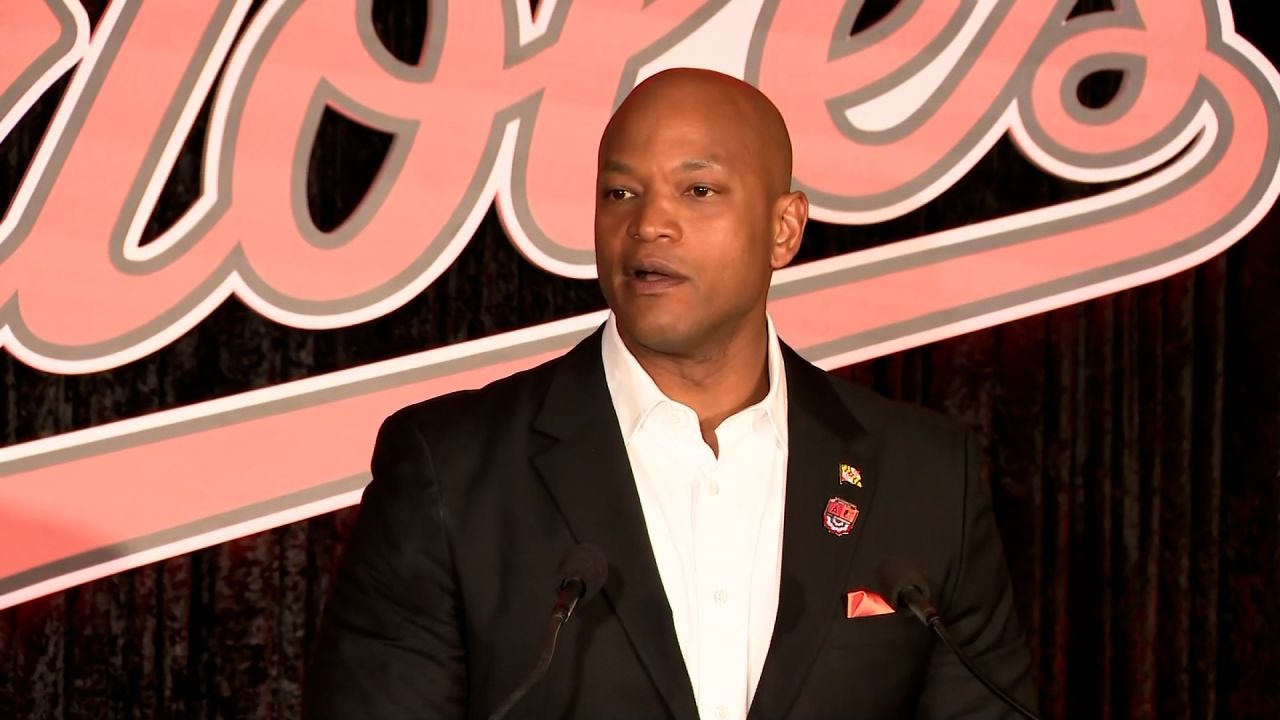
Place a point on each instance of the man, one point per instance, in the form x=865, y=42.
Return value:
x=744, y=499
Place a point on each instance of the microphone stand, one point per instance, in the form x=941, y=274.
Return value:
x=571, y=591
x=916, y=599
x=544, y=662
x=941, y=631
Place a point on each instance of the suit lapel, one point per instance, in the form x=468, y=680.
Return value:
x=587, y=472
x=823, y=435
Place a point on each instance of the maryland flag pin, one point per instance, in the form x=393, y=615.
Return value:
x=849, y=474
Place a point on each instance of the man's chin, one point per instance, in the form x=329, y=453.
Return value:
x=663, y=337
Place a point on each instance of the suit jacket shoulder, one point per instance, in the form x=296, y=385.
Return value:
x=880, y=414
x=519, y=394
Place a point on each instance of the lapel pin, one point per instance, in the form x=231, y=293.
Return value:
x=840, y=516
x=849, y=474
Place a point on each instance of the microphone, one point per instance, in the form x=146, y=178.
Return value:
x=909, y=591
x=582, y=573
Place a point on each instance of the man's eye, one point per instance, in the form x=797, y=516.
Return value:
x=618, y=193
x=701, y=191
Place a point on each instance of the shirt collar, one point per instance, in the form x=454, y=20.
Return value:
x=635, y=394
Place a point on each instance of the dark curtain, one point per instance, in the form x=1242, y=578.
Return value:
x=1131, y=444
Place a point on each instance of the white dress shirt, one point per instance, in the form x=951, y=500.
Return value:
x=715, y=524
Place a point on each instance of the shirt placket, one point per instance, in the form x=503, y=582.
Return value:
x=722, y=570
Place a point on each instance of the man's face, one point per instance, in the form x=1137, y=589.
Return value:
x=684, y=227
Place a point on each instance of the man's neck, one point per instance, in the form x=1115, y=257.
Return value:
x=721, y=380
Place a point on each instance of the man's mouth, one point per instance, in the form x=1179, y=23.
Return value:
x=654, y=269
x=654, y=275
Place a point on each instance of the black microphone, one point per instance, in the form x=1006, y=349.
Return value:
x=582, y=573
x=909, y=591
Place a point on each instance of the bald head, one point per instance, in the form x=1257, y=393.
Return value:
x=750, y=125
x=694, y=212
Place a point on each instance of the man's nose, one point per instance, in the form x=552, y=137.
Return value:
x=654, y=220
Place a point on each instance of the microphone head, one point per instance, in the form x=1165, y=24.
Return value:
x=586, y=563
x=899, y=577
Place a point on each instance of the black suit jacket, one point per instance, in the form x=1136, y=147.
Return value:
x=445, y=589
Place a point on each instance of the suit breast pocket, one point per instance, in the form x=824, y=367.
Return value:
x=891, y=628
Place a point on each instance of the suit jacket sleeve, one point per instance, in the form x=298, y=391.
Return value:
x=980, y=614
x=391, y=644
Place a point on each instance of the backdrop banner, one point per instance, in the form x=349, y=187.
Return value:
x=235, y=235
x=498, y=108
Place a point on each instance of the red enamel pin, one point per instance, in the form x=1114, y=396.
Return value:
x=840, y=516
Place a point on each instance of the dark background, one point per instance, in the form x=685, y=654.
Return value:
x=1131, y=443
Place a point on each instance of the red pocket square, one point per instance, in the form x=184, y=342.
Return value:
x=863, y=603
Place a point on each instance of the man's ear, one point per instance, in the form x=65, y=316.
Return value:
x=791, y=212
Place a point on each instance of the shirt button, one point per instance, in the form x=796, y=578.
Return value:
x=721, y=597
x=722, y=712
x=714, y=488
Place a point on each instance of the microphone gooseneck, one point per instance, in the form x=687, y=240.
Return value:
x=908, y=590
x=582, y=573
